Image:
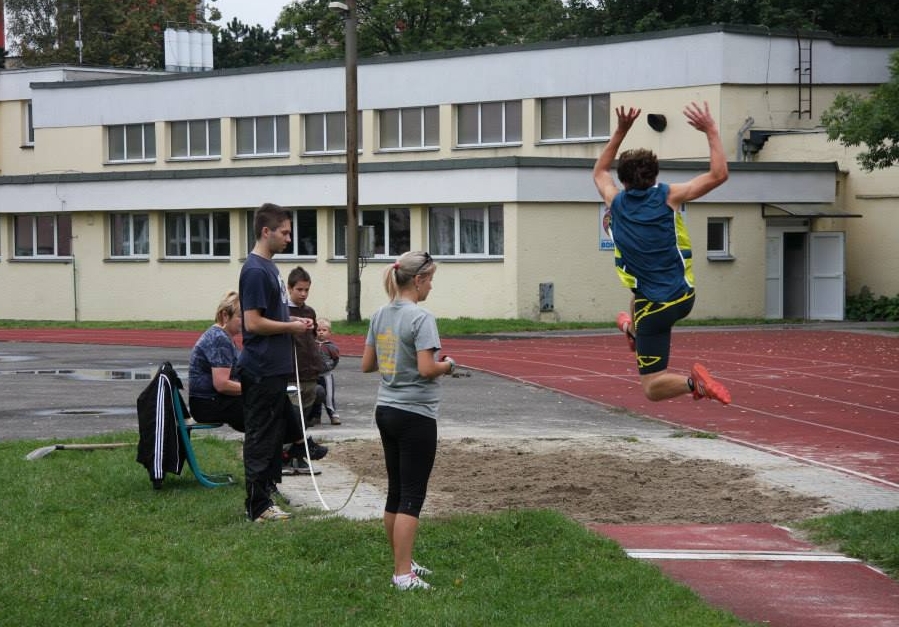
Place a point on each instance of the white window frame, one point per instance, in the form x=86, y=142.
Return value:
x=459, y=215
x=135, y=235
x=189, y=235
x=147, y=147
x=210, y=146
x=507, y=137
x=391, y=242
x=42, y=222
x=410, y=127
x=279, y=127
x=326, y=125
x=596, y=129
x=724, y=252
x=297, y=217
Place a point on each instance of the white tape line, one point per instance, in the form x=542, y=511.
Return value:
x=757, y=556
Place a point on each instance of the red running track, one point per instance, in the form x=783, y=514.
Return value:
x=829, y=398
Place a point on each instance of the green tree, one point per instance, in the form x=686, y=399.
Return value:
x=240, y=45
x=121, y=33
x=872, y=121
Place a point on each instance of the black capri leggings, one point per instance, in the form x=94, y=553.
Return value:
x=410, y=444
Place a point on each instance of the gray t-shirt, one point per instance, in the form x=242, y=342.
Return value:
x=398, y=331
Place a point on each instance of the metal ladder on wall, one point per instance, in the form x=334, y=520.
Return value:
x=804, y=77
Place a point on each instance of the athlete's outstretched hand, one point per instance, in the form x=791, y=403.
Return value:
x=699, y=117
x=627, y=118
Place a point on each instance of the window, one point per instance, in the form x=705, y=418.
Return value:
x=718, y=238
x=196, y=139
x=304, y=233
x=574, y=117
x=263, y=136
x=489, y=123
x=415, y=127
x=326, y=132
x=202, y=234
x=466, y=231
x=392, y=232
x=29, y=124
x=43, y=235
x=129, y=235
x=131, y=142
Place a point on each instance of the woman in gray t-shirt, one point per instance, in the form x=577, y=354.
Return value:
x=402, y=345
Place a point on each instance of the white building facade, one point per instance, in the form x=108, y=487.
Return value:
x=129, y=196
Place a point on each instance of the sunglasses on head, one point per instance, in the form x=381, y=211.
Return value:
x=424, y=263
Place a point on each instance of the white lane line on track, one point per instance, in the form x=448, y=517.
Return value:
x=748, y=556
x=811, y=423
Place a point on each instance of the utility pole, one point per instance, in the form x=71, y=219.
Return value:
x=352, y=162
x=79, y=43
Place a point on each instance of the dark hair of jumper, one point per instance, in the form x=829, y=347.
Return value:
x=638, y=168
x=404, y=270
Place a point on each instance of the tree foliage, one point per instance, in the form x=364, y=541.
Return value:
x=129, y=32
x=872, y=121
x=121, y=33
x=239, y=45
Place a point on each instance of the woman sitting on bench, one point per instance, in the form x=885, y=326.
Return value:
x=213, y=390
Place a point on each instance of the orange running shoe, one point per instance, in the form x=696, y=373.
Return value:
x=704, y=386
x=625, y=324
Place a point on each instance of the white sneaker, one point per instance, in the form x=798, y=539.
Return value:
x=410, y=582
x=421, y=571
x=273, y=513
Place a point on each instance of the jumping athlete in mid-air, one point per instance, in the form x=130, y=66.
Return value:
x=652, y=252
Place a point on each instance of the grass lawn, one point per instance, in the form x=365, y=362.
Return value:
x=87, y=541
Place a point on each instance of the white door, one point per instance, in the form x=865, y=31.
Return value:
x=774, y=291
x=827, y=276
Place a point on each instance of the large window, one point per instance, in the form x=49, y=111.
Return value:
x=326, y=132
x=129, y=235
x=409, y=128
x=718, y=238
x=488, y=123
x=43, y=235
x=131, y=142
x=304, y=233
x=197, y=234
x=574, y=117
x=466, y=231
x=391, y=227
x=267, y=135
x=196, y=139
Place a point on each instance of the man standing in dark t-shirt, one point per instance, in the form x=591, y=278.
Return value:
x=266, y=362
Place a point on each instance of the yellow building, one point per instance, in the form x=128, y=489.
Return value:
x=129, y=195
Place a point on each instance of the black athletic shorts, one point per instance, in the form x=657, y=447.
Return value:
x=652, y=327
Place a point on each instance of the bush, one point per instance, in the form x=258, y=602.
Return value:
x=866, y=307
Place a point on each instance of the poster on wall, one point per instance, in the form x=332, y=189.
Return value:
x=605, y=236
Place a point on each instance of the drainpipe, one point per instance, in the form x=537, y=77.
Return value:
x=746, y=126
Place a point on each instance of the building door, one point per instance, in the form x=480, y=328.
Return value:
x=804, y=274
x=774, y=302
x=827, y=276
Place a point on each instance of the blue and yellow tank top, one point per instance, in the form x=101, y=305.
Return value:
x=653, y=256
